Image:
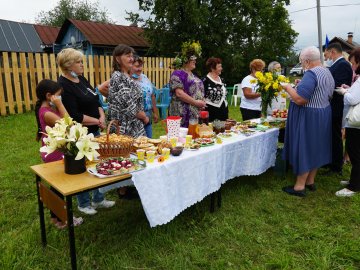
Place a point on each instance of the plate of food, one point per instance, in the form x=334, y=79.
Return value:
x=205, y=141
x=193, y=146
x=116, y=166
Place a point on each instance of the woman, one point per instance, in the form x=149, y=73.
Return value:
x=352, y=97
x=250, y=105
x=125, y=96
x=215, y=91
x=82, y=104
x=48, y=110
x=150, y=108
x=186, y=89
x=308, y=130
x=279, y=102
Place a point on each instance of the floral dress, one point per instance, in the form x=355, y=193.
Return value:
x=192, y=86
x=125, y=101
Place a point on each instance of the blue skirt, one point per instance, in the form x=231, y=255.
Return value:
x=308, y=138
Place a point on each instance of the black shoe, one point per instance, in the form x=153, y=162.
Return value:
x=311, y=187
x=291, y=191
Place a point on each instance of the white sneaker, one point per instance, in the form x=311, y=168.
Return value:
x=345, y=193
x=87, y=210
x=103, y=204
x=344, y=182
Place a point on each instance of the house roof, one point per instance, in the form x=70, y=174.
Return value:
x=18, y=37
x=345, y=44
x=47, y=34
x=106, y=34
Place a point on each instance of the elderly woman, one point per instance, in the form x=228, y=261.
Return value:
x=250, y=105
x=126, y=102
x=147, y=87
x=82, y=104
x=215, y=91
x=186, y=89
x=279, y=102
x=351, y=98
x=308, y=130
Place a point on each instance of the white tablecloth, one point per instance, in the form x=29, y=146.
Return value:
x=166, y=189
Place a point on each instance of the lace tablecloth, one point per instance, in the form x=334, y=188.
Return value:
x=166, y=189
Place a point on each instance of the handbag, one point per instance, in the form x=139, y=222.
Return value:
x=353, y=116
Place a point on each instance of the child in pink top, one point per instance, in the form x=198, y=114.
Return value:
x=48, y=110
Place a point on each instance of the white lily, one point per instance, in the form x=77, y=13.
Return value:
x=87, y=148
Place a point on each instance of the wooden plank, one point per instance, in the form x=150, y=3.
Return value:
x=39, y=70
x=54, y=75
x=91, y=70
x=32, y=74
x=96, y=68
x=53, y=202
x=161, y=72
x=9, y=88
x=107, y=67
x=46, y=66
x=86, y=75
x=157, y=73
x=145, y=66
x=25, y=82
x=149, y=75
x=16, y=80
x=102, y=69
x=2, y=93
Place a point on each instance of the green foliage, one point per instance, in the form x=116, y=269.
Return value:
x=257, y=227
x=73, y=9
x=236, y=31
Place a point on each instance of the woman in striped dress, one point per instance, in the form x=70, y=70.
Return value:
x=308, y=130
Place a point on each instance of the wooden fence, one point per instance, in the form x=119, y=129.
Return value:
x=20, y=73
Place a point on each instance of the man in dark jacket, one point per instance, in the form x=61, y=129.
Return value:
x=342, y=73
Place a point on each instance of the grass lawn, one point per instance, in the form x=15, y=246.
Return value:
x=258, y=226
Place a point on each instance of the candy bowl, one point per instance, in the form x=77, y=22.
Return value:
x=177, y=150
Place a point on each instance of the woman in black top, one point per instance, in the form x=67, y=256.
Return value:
x=82, y=104
x=215, y=91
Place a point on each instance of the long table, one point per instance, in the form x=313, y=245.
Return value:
x=166, y=189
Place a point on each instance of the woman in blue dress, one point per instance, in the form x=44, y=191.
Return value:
x=308, y=130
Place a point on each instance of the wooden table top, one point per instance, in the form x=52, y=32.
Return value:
x=67, y=184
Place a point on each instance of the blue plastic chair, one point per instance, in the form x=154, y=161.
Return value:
x=103, y=104
x=163, y=101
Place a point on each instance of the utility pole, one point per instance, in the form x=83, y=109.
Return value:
x=319, y=30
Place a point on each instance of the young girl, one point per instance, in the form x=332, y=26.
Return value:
x=48, y=109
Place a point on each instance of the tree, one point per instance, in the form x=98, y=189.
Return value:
x=73, y=9
x=236, y=31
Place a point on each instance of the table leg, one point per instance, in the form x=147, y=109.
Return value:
x=71, y=231
x=212, y=202
x=41, y=213
x=219, y=198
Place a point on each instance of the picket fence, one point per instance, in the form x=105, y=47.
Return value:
x=20, y=73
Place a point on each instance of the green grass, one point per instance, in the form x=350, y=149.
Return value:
x=258, y=226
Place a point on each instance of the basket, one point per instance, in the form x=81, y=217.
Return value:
x=114, y=145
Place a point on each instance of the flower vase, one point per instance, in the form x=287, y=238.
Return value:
x=73, y=166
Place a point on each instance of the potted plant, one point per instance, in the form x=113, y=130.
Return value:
x=73, y=140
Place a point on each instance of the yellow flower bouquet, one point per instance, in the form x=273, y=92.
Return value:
x=269, y=88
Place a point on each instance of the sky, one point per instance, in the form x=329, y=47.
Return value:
x=336, y=20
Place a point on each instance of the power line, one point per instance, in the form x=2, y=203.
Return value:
x=338, y=5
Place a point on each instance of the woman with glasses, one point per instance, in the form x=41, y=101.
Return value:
x=250, y=105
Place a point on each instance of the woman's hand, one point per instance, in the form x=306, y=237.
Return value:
x=146, y=120
x=345, y=86
x=156, y=117
x=102, y=122
x=200, y=104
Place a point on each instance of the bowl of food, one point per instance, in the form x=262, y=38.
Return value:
x=176, y=151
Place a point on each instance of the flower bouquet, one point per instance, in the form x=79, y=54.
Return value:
x=72, y=139
x=269, y=88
